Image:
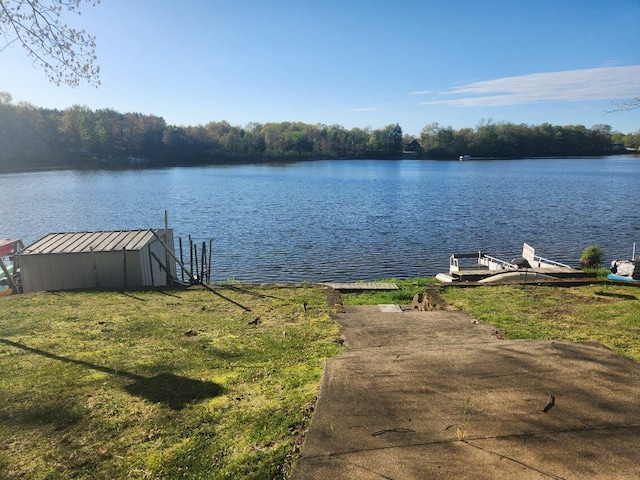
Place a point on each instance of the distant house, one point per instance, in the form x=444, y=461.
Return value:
x=412, y=147
x=110, y=259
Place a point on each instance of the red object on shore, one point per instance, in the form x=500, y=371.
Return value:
x=7, y=246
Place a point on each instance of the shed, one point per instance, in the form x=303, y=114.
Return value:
x=108, y=259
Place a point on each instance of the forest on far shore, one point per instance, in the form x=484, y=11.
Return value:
x=33, y=138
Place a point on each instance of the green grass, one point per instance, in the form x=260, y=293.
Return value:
x=159, y=384
x=403, y=296
x=605, y=313
x=600, y=273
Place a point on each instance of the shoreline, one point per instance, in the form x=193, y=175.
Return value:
x=283, y=161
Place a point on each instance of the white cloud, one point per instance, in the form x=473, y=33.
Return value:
x=607, y=83
x=365, y=109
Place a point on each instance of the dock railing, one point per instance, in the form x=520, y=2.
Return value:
x=497, y=264
x=539, y=262
x=481, y=262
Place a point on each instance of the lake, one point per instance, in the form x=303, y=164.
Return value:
x=346, y=220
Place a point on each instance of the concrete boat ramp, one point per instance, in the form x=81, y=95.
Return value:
x=437, y=394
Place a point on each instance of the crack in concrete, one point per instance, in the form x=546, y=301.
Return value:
x=468, y=440
x=511, y=459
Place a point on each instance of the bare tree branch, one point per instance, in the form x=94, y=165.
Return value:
x=626, y=105
x=67, y=55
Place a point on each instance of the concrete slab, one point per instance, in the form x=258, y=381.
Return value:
x=390, y=308
x=439, y=395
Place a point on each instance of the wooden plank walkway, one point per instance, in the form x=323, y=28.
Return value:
x=361, y=286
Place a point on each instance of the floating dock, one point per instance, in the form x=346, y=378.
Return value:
x=480, y=267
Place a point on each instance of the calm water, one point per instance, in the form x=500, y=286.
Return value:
x=346, y=220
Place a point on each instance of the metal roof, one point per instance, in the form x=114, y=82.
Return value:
x=83, y=242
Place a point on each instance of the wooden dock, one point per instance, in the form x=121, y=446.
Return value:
x=356, y=287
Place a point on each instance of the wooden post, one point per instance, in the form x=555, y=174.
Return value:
x=172, y=254
x=166, y=241
x=209, y=269
x=204, y=262
x=181, y=259
x=195, y=256
x=190, y=256
x=16, y=257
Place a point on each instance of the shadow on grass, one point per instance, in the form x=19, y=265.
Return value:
x=171, y=390
x=236, y=289
x=246, y=309
x=246, y=291
x=621, y=296
x=130, y=295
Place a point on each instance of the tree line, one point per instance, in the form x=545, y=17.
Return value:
x=34, y=138
x=509, y=140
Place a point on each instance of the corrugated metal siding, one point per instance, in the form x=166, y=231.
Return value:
x=65, y=261
x=154, y=275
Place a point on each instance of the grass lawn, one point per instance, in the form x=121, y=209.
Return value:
x=160, y=384
x=605, y=313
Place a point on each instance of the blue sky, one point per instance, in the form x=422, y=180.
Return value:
x=355, y=63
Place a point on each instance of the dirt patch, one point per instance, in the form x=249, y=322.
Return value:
x=334, y=300
x=431, y=300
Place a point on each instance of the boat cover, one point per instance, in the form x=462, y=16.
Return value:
x=7, y=246
x=626, y=268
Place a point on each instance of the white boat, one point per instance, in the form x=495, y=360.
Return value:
x=626, y=270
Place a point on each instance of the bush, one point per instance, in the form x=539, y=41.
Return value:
x=592, y=257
